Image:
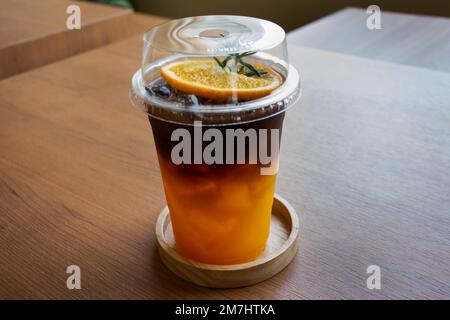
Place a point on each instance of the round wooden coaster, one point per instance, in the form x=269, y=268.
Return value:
x=280, y=250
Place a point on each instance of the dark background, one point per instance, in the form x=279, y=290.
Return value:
x=290, y=14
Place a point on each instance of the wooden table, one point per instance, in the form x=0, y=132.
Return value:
x=365, y=162
x=421, y=41
x=34, y=33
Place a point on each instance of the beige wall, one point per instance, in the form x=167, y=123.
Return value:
x=290, y=14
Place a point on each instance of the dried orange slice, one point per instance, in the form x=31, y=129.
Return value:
x=205, y=78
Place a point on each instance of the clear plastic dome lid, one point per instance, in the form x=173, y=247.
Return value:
x=219, y=69
x=216, y=35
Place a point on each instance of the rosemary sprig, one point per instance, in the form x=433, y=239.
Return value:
x=220, y=63
x=236, y=59
x=259, y=74
x=248, y=53
x=252, y=69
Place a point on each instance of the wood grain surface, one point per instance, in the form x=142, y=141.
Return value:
x=365, y=162
x=39, y=27
x=421, y=41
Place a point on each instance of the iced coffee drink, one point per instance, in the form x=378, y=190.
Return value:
x=215, y=89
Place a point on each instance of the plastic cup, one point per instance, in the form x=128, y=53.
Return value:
x=220, y=209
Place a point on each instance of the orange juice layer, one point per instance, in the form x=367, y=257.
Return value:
x=220, y=214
